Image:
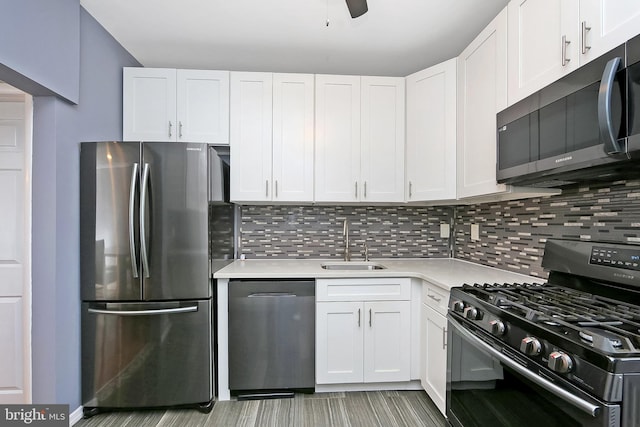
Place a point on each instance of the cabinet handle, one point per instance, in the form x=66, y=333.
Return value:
x=276, y=188
x=434, y=298
x=356, y=189
x=370, y=321
x=565, y=42
x=266, y=188
x=170, y=127
x=365, y=189
x=409, y=189
x=585, y=30
x=358, y=318
x=444, y=338
x=180, y=129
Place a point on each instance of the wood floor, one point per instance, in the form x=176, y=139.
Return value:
x=354, y=409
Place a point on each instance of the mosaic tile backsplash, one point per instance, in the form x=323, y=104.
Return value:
x=317, y=231
x=513, y=233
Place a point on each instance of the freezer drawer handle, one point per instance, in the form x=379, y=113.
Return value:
x=143, y=215
x=271, y=294
x=145, y=312
x=132, y=201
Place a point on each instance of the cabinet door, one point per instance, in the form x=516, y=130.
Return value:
x=203, y=106
x=434, y=356
x=387, y=341
x=149, y=104
x=250, y=139
x=537, y=29
x=431, y=133
x=382, y=139
x=339, y=342
x=482, y=92
x=293, y=104
x=337, y=138
x=605, y=24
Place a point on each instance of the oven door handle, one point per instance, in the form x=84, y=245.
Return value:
x=578, y=402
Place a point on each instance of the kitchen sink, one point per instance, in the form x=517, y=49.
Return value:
x=352, y=265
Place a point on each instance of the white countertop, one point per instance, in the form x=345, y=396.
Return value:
x=443, y=272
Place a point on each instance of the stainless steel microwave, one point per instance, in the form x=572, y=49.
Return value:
x=583, y=127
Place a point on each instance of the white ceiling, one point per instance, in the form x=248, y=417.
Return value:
x=395, y=38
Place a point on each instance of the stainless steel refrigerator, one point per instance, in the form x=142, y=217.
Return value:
x=145, y=275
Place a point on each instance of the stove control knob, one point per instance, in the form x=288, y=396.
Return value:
x=458, y=306
x=474, y=314
x=560, y=362
x=530, y=346
x=497, y=327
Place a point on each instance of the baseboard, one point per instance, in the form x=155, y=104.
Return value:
x=408, y=385
x=75, y=416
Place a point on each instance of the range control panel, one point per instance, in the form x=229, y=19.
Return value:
x=616, y=257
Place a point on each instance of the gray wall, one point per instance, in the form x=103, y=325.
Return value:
x=40, y=46
x=59, y=127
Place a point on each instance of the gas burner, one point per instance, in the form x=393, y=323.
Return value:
x=601, y=338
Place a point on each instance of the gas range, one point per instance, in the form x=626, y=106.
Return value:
x=579, y=331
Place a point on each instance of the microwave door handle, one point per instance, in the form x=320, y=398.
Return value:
x=561, y=393
x=605, y=119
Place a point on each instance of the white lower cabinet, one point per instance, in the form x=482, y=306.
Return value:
x=366, y=340
x=434, y=356
x=433, y=360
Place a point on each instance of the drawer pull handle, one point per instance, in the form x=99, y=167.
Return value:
x=358, y=318
x=434, y=298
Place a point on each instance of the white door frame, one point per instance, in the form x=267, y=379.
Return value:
x=16, y=297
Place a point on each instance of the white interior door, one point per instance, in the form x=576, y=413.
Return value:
x=15, y=276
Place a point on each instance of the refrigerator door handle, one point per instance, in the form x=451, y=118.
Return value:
x=143, y=215
x=132, y=201
x=190, y=309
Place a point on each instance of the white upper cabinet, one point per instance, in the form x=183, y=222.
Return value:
x=272, y=137
x=605, y=24
x=251, y=136
x=203, y=106
x=382, y=139
x=482, y=92
x=549, y=38
x=149, y=104
x=293, y=137
x=431, y=133
x=337, y=138
x=359, y=139
x=543, y=44
x=162, y=104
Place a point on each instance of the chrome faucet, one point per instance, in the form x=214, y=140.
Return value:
x=345, y=234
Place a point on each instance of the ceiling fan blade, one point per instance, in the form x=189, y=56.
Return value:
x=357, y=7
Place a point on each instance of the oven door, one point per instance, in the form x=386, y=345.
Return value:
x=485, y=387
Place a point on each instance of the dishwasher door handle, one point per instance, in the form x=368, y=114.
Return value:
x=271, y=295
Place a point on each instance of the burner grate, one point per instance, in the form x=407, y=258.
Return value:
x=612, y=325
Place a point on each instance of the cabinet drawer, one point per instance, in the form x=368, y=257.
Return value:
x=374, y=289
x=435, y=297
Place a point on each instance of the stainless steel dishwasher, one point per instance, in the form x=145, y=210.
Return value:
x=271, y=337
